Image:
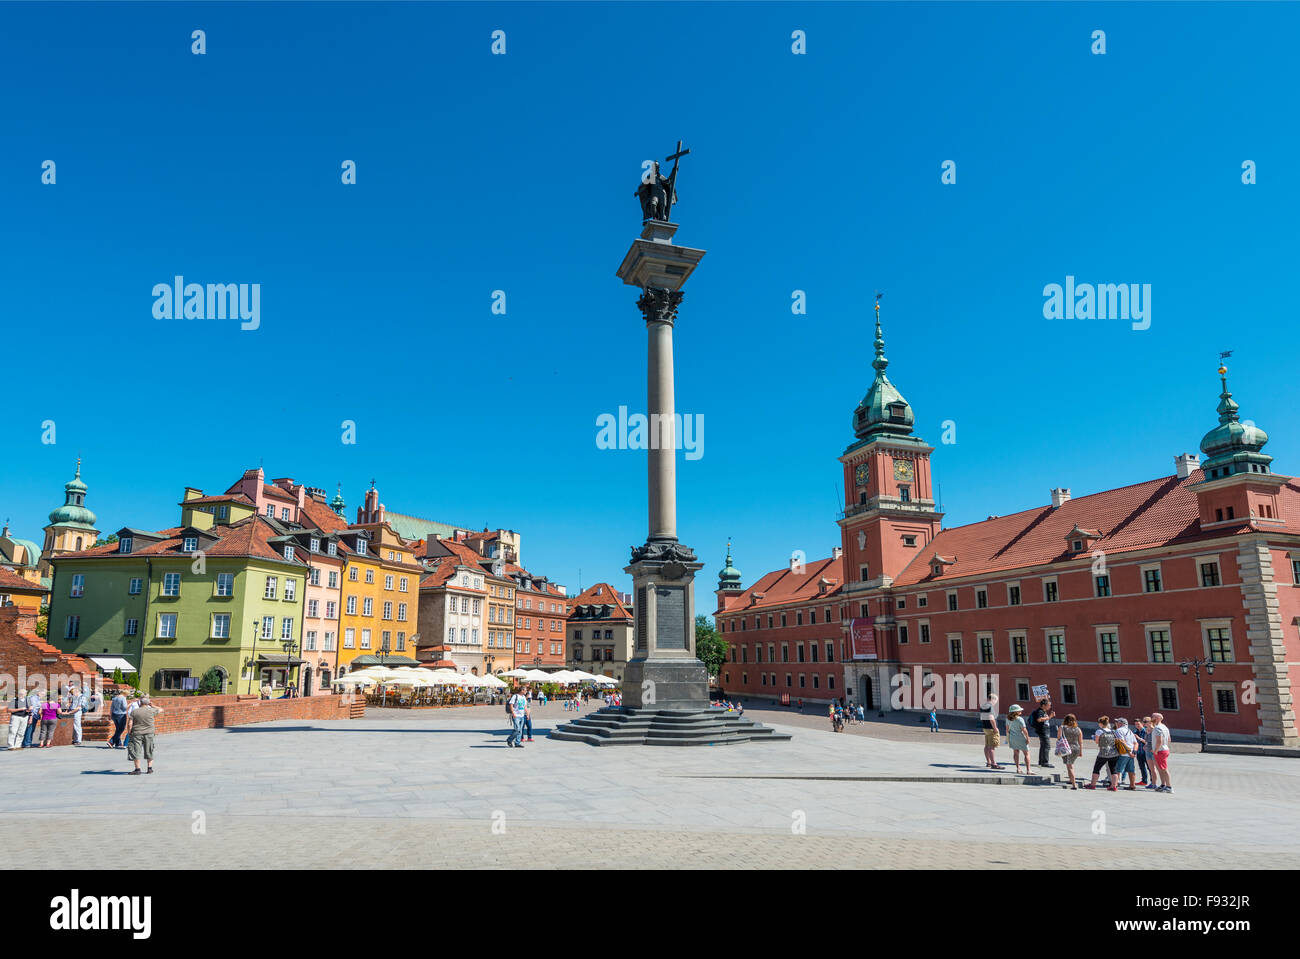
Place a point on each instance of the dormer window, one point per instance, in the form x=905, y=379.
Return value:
x=331, y=548
x=288, y=552
x=897, y=412
x=190, y=544
x=315, y=545
x=1077, y=546
x=361, y=546
x=124, y=544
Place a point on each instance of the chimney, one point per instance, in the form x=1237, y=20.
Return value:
x=1060, y=496
x=190, y=493
x=837, y=552
x=1187, y=463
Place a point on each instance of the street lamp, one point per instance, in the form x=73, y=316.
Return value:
x=383, y=658
x=287, y=644
x=252, y=663
x=1196, y=664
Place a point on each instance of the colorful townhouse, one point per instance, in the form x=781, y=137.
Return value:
x=541, y=610
x=326, y=557
x=452, y=601
x=397, y=599
x=600, y=632
x=1168, y=595
x=178, y=602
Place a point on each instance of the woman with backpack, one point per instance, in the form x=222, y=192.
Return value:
x=1018, y=736
x=1107, y=754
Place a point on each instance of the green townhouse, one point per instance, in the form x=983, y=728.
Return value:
x=178, y=602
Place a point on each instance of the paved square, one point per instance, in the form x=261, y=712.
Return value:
x=438, y=789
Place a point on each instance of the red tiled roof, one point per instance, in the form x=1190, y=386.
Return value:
x=466, y=554
x=444, y=571
x=1159, y=512
x=11, y=582
x=601, y=594
x=223, y=498
x=246, y=538
x=322, y=517
x=783, y=586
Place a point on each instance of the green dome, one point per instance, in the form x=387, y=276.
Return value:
x=883, y=411
x=1233, y=446
x=73, y=512
x=729, y=578
x=336, y=504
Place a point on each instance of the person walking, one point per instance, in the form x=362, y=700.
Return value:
x=934, y=721
x=1126, y=744
x=1107, y=754
x=19, y=716
x=1160, y=751
x=1018, y=737
x=1140, y=731
x=1074, y=736
x=1040, y=721
x=34, y=704
x=989, y=722
x=517, y=710
x=140, y=730
x=117, y=712
x=77, y=704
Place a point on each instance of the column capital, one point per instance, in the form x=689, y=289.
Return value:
x=659, y=305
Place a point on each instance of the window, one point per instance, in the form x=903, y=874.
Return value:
x=1056, y=647
x=1119, y=695
x=952, y=600
x=909, y=540
x=72, y=627
x=1103, y=585
x=313, y=609
x=981, y=599
x=78, y=586
x=1108, y=643
x=361, y=546
x=171, y=584
x=902, y=635
x=1219, y=643
x=1013, y=595
x=288, y=553
x=331, y=609
x=271, y=587
x=352, y=574
x=314, y=545
x=349, y=638
x=137, y=584
x=1151, y=579
x=132, y=627
x=925, y=632
x=310, y=642
x=166, y=625
x=220, y=625
x=1020, y=651
x=1225, y=698
x=329, y=642
x=1161, y=652
x=268, y=627
x=986, y=649
x=954, y=650
x=284, y=512
x=270, y=511
x=1022, y=689
x=785, y=653
x=331, y=548
x=290, y=589
x=370, y=576
x=1050, y=592
x=172, y=679
x=1210, y=574
x=1069, y=692
x=334, y=579
x=388, y=610
x=189, y=544
x=368, y=606
x=313, y=577
x=124, y=544
x=1168, y=693
x=401, y=585
x=798, y=651
x=388, y=582
x=905, y=494
x=365, y=638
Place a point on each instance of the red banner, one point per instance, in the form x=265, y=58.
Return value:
x=862, y=633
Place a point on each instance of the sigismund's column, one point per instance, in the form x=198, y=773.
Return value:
x=663, y=672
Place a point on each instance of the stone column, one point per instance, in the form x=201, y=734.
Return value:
x=660, y=309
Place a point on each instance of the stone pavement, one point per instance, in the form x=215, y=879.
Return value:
x=438, y=788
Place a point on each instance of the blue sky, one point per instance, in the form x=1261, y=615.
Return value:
x=478, y=173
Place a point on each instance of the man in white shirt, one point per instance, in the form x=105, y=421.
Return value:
x=18, y=720
x=1127, y=761
x=1160, y=744
x=76, y=703
x=518, y=706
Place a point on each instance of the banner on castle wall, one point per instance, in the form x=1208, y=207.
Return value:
x=862, y=637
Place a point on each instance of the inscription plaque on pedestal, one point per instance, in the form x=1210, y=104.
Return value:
x=670, y=617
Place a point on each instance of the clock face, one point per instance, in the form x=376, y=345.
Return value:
x=863, y=474
x=902, y=469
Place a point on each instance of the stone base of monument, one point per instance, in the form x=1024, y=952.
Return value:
x=631, y=725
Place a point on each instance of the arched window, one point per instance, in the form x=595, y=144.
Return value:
x=78, y=543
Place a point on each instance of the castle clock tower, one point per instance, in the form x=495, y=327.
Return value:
x=889, y=509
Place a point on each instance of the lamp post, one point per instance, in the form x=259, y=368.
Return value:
x=1196, y=664
x=252, y=663
x=287, y=645
x=383, y=658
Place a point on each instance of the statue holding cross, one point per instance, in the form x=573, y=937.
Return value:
x=657, y=192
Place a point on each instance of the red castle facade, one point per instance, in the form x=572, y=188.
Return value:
x=1099, y=598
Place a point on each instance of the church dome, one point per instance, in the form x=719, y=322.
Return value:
x=73, y=512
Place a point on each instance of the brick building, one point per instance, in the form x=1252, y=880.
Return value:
x=1100, y=598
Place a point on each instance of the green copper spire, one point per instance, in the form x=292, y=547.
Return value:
x=883, y=412
x=336, y=504
x=1232, y=446
x=73, y=512
x=729, y=578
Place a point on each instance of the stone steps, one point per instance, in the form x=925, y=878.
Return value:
x=669, y=727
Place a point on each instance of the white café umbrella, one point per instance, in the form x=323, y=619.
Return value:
x=536, y=676
x=606, y=681
x=355, y=679
x=565, y=676
x=516, y=673
x=491, y=682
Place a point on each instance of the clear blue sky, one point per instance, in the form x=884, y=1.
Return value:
x=478, y=172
